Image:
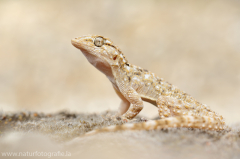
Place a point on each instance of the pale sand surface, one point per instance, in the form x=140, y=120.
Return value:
x=192, y=44
x=30, y=132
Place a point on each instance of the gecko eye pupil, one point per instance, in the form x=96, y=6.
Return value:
x=98, y=41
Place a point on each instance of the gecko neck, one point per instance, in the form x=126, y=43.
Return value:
x=103, y=66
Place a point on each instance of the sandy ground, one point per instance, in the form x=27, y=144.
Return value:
x=63, y=132
x=194, y=45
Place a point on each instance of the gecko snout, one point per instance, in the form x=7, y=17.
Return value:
x=75, y=42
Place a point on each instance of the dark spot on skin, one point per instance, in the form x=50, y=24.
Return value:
x=137, y=73
x=145, y=70
x=115, y=57
x=111, y=46
x=127, y=64
x=108, y=44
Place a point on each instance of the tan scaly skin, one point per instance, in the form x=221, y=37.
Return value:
x=134, y=85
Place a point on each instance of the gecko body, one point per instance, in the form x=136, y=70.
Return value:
x=134, y=85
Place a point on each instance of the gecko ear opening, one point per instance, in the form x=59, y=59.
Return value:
x=98, y=41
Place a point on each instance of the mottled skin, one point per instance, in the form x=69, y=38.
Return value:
x=135, y=85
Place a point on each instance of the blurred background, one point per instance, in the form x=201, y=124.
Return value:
x=194, y=45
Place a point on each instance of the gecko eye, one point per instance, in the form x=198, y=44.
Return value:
x=98, y=41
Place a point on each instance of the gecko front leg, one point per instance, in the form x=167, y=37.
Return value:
x=134, y=99
x=124, y=105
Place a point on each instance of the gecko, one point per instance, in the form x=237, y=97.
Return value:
x=134, y=85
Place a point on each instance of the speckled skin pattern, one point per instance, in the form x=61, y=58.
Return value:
x=134, y=85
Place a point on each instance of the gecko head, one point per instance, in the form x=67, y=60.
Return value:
x=98, y=48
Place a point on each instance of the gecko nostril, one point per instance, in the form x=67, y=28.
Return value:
x=75, y=38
